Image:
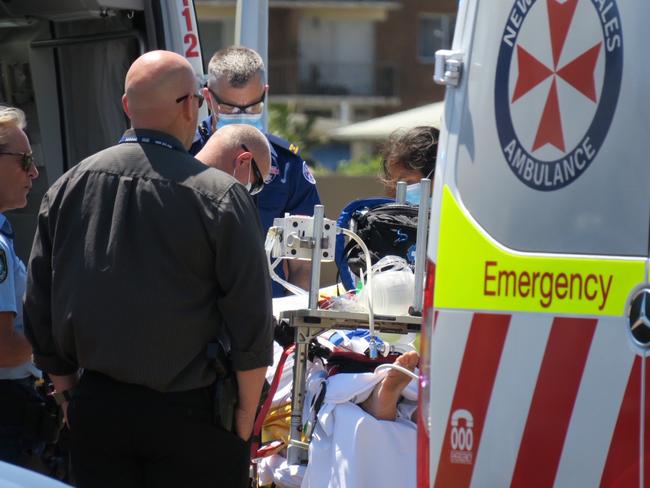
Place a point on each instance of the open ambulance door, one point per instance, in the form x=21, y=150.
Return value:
x=535, y=369
x=64, y=64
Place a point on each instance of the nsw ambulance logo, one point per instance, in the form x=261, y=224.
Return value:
x=557, y=85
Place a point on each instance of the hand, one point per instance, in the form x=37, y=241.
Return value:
x=244, y=421
x=64, y=409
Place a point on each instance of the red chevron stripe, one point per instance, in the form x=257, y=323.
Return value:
x=473, y=391
x=622, y=465
x=550, y=411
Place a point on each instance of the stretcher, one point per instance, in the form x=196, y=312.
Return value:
x=309, y=323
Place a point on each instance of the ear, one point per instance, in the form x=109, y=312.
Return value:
x=244, y=156
x=125, y=105
x=189, y=109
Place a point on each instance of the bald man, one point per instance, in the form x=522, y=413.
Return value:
x=144, y=264
x=241, y=151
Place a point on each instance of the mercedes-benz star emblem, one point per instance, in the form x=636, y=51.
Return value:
x=638, y=319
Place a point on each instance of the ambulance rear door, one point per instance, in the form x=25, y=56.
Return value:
x=539, y=249
x=64, y=64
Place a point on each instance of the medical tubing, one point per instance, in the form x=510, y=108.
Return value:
x=296, y=290
x=399, y=368
x=371, y=316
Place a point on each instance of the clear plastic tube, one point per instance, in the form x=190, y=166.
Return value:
x=372, y=346
x=399, y=368
x=272, y=235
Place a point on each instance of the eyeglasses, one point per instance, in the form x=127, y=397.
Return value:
x=257, y=185
x=198, y=96
x=26, y=159
x=231, y=108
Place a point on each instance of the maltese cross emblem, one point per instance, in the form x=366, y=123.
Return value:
x=557, y=84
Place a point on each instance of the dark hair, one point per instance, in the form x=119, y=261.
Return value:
x=415, y=148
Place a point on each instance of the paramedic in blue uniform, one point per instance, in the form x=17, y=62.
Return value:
x=17, y=372
x=236, y=94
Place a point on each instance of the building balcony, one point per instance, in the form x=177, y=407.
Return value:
x=289, y=77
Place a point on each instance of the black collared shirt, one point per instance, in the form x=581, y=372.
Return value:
x=142, y=256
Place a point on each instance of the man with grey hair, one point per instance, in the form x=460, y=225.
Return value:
x=241, y=151
x=17, y=372
x=236, y=94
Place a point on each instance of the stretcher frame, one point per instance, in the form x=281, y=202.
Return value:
x=308, y=324
x=311, y=322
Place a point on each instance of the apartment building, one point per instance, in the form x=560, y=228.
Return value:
x=347, y=60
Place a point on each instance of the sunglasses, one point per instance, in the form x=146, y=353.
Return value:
x=198, y=96
x=230, y=108
x=258, y=184
x=26, y=159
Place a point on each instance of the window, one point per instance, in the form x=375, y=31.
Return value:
x=336, y=56
x=215, y=34
x=435, y=31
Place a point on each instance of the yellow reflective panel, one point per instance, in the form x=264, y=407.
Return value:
x=475, y=272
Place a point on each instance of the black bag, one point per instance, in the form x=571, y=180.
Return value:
x=388, y=229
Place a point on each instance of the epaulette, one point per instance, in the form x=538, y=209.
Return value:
x=7, y=230
x=284, y=144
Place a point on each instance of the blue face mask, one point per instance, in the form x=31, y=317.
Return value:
x=249, y=119
x=414, y=191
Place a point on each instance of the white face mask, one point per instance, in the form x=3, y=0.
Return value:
x=249, y=119
x=248, y=185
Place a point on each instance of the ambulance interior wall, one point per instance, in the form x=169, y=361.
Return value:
x=71, y=95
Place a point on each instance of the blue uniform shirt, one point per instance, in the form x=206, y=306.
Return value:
x=290, y=187
x=13, y=277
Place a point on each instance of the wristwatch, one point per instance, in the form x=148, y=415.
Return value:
x=60, y=397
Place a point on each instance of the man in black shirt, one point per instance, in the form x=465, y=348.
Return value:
x=143, y=259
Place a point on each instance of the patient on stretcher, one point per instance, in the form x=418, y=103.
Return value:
x=382, y=402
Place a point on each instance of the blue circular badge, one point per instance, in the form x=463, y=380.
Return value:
x=557, y=85
x=306, y=172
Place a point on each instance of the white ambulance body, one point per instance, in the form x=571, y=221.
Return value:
x=535, y=369
x=63, y=62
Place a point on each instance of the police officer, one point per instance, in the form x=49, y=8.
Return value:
x=236, y=94
x=17, y=372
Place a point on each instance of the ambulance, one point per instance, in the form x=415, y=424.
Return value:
x=63, y=62
x=534, y=362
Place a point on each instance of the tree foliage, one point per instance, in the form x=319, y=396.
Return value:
x=297, y=131
x=366, y=165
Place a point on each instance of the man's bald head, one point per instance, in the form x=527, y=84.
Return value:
x=225, y=150
x=153, y=84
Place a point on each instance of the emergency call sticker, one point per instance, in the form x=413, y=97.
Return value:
x=557, y=84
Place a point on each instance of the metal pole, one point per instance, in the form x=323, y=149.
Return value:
x=317, y=236
x=421, y=246
x=400, y=192
x=295, y=454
